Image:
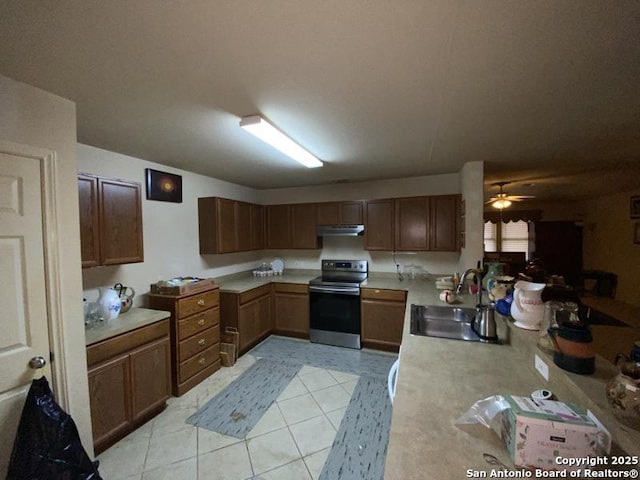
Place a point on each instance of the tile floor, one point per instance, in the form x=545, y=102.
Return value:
x=290, y=442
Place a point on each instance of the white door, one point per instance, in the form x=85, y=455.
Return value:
x=24, y=331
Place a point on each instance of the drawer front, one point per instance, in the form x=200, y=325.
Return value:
x=381, y=294
x=199, y=342
x=190, y=367
x=197, y=303
x=198, y=323
x=125, y=342
x=255, y=293
x=291, y=288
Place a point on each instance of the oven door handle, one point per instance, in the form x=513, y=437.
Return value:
x=336, y=290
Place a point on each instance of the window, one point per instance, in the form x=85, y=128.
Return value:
x=506, y=237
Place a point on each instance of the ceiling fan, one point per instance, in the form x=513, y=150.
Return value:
x=503, y=200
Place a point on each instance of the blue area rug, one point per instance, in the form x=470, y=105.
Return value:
x=237, y=408
x=359, y=450
x=341, y=359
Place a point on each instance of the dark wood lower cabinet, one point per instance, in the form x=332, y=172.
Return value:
x=382, y=313
x=250, y=313
x=291, y=309
x=129, y=381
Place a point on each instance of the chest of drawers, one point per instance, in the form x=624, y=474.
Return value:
x=195, y=336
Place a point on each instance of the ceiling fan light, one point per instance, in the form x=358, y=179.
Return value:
x=259, y=127
x=501, y=203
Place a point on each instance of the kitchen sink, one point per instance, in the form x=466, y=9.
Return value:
x=443, y=322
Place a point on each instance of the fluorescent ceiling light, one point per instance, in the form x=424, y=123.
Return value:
x=266, y=132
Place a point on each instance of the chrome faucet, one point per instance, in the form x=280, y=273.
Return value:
x=477, y=273
x=484, y=323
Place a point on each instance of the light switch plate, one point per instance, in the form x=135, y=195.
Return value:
x=541, y=367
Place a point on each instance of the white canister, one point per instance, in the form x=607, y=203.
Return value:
x=109, y=303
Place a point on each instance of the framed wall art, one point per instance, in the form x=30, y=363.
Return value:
x=164, y=187
x=635, y=206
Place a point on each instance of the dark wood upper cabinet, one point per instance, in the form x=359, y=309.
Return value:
x=412, y=224
x=303, y=226
x=257, y=227
x=110, y=221
x=427, y=223
x=89, y=222
x=278, y=221
x=339, y=213
x=243, y=226
x=227, y=226
x=378, y=225
x=445, y=223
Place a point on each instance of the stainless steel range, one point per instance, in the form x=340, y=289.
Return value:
x=334, y=303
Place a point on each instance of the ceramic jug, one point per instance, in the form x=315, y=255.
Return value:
x=494, y=269
x=623, y=390
x=109, y=303
x=527, y=308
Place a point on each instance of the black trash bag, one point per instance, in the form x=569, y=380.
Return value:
x=47, y=445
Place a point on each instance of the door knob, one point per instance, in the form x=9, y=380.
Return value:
x=37, y=362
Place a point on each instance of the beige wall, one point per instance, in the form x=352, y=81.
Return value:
x=34, y=117
x=171, y=230
x=608, y=243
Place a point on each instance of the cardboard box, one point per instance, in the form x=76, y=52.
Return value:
x=187, y=287
x=536, y=433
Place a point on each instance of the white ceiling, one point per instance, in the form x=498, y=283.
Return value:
x=543, y=91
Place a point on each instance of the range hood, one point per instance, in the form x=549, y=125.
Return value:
x=339, y=230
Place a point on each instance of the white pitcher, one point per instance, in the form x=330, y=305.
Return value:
x=527, y=308
x=109, y=303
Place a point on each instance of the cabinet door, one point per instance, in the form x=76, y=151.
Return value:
x=412, y=224
x=109, y=394
x=89, y=221
x=339, y=213
x=150, y=377
x=378, y=230
x=248, y=328
x=445, y=223
x=291, y=311
x=303, y=226
x=121, y=222
x=327, y=213
x=243, y=226
x=278, y=226
x=257, y=227
x=264, y=316
x=382, y=324
x=351, y=213
x=226, y=225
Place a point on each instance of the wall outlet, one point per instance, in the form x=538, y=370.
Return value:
x=541, y=367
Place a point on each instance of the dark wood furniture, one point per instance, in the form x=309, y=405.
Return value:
x=292, y=226
x=291, y=309
x=129, y=381
x=427, y=223
x=379, y=225
x=227, y=226
x=250, y=313
x=339, y=213
x=195, y=336
x=382, y=315
x=110, y=221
